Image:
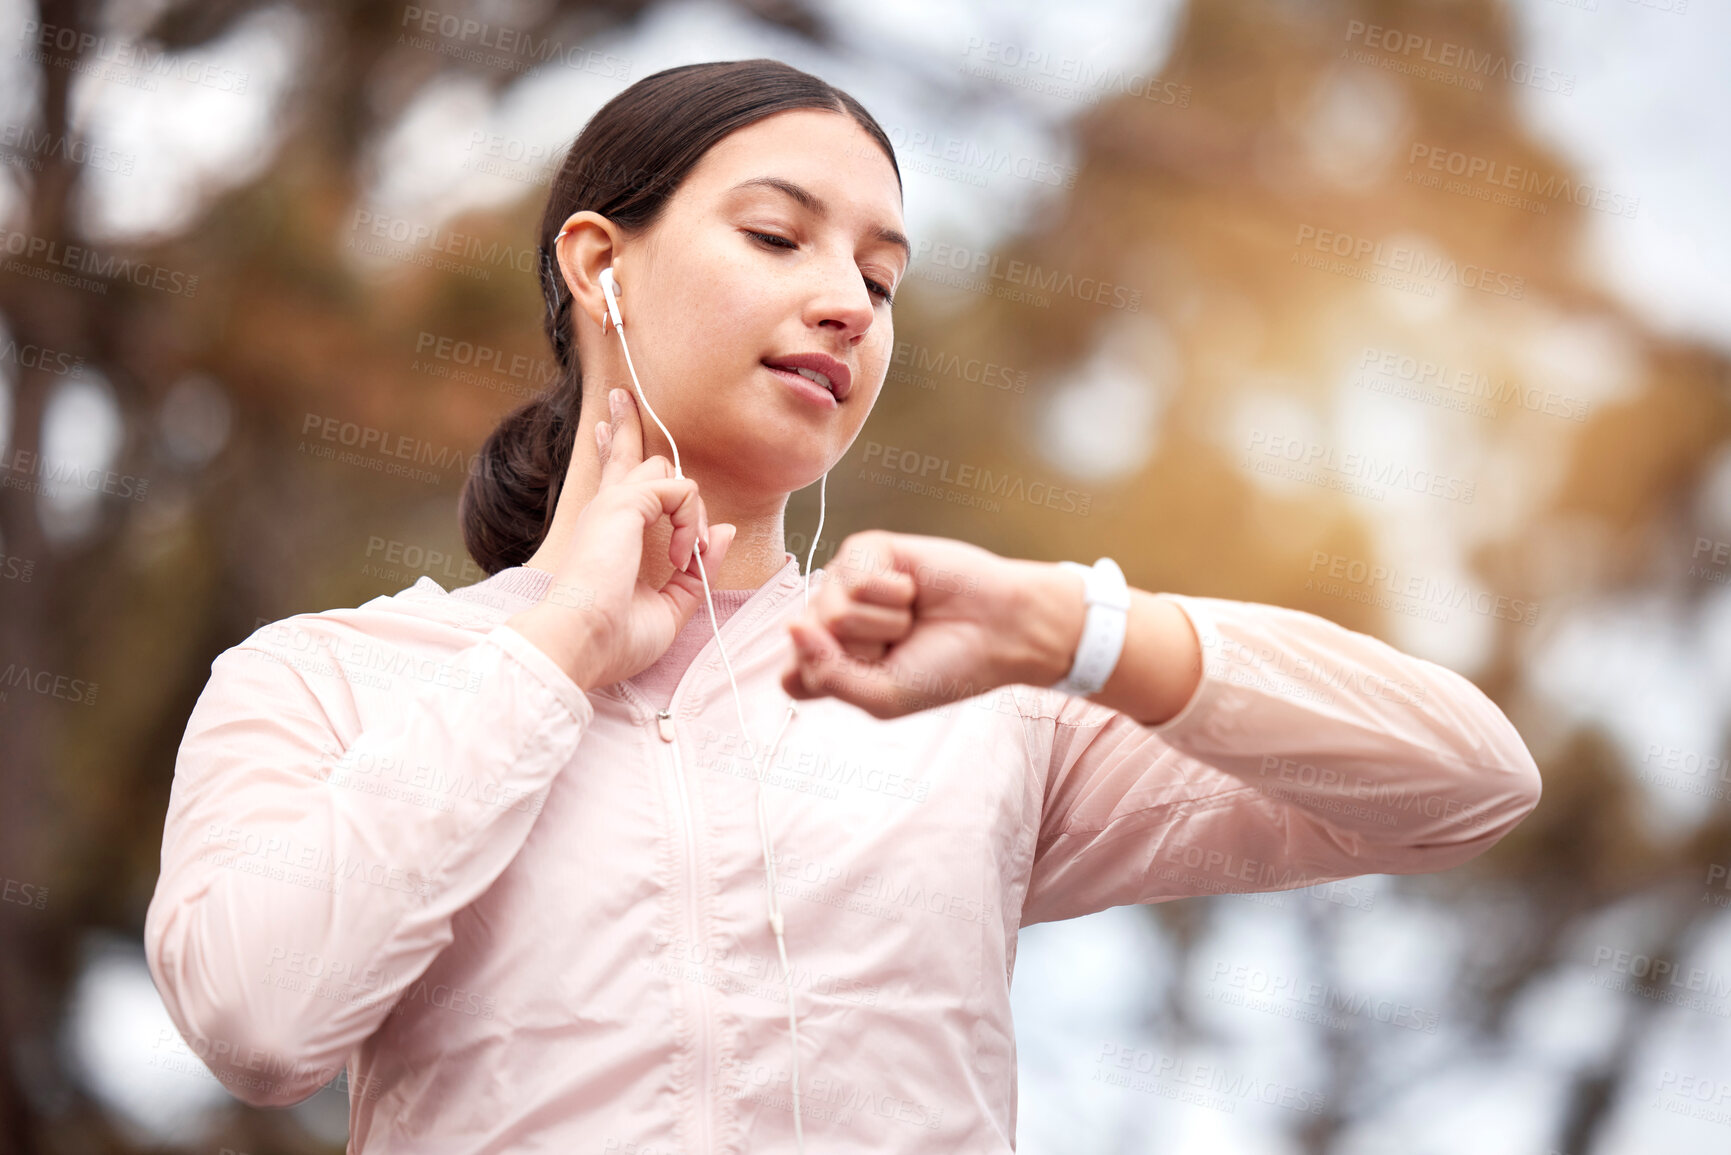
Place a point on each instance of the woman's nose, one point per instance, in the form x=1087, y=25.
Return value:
x=842, y=301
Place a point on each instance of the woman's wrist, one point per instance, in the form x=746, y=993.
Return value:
x=567, y=641
x=1161, y=666
x=1050, y=622
x=1161, y=663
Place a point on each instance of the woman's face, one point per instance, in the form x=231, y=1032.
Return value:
x=785, y=239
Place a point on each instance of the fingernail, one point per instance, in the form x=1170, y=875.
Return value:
x=615, y=397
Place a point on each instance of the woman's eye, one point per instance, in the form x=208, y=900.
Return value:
x=773, y=239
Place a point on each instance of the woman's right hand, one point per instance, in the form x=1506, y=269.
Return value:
x=599, y=620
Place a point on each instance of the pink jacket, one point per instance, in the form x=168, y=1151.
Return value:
x=527, y=918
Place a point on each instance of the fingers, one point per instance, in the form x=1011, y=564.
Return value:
x=867, y=568
x=822, y=670
x=864, y=630
x=674, y=498
x=684, y=588
x=811, y=675
x=624, y=450
x=889, y=587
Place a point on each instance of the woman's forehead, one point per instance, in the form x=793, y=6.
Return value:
x=810, y=147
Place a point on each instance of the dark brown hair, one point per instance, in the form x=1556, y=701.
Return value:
x=627, y=162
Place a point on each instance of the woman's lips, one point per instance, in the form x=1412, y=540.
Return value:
x=840, y=377
x=806, y=387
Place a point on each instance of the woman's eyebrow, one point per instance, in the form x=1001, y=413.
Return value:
x=815, y=205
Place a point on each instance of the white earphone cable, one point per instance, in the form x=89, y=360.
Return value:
x=774, y=902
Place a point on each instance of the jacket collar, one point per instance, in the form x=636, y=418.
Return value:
x=515, y=589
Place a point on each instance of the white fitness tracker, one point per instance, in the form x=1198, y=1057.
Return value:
x=1108, y=598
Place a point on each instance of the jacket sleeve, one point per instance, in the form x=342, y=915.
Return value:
x=307, y=876
x=1308, y=752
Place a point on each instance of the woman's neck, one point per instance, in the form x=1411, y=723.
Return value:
x=757, y=553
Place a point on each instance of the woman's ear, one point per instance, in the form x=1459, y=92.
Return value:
x=587, y=243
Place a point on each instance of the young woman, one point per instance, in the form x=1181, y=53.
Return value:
x=505, y=853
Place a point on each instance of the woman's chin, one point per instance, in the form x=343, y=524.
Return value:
x=778, y=460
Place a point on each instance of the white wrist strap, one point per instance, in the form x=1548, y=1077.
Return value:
x=1108, y=597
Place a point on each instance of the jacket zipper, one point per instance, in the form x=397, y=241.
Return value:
x=664, y=729
x=694, y=932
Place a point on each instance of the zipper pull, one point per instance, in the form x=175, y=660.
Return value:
x=664, y=723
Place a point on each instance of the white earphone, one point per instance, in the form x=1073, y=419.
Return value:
x=610, y=290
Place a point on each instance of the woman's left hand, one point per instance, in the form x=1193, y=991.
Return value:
x=905, y=622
